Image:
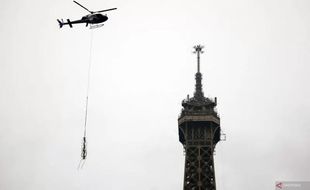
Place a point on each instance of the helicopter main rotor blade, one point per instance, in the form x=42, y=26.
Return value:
x=91, y=12
x=106, y=10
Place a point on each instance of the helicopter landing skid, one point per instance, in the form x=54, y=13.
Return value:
x=93, y=26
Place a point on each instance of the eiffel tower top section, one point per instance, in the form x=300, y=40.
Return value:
x=199, y=105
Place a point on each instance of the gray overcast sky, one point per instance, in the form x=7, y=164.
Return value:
x=256, y=62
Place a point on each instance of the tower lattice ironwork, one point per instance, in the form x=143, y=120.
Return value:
x=199, y=132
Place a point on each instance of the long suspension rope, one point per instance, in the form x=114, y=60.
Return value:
x=88, y=81
x=84, y=144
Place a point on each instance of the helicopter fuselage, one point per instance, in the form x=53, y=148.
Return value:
x=94, y=18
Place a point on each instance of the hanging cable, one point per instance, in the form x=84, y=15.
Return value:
x=84, y=142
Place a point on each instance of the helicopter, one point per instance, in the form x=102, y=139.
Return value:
x=95, y=17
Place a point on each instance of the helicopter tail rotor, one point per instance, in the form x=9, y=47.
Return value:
x=60, y=23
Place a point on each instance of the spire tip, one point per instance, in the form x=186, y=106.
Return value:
x=198, y=48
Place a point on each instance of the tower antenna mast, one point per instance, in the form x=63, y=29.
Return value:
x=198, y=50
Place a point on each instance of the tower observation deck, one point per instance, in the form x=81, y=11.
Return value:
x=199, y=132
